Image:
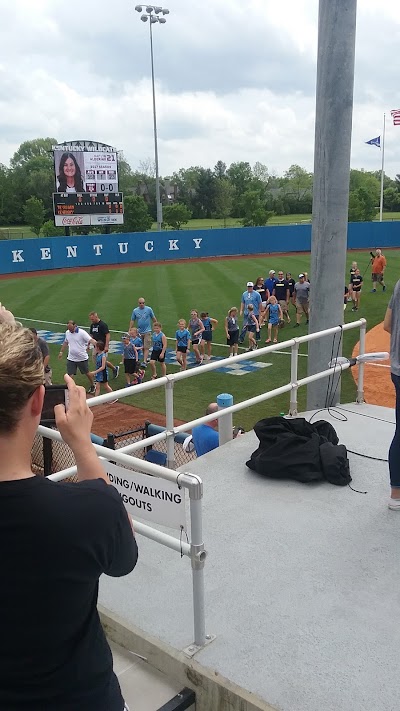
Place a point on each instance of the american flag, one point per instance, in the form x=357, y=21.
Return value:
x=395, y=114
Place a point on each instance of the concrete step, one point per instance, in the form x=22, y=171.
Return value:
x=145, y=688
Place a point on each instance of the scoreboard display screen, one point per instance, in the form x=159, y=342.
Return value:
x=86, y=177
x=100, y=208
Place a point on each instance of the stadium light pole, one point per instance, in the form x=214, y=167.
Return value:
x=154, y=14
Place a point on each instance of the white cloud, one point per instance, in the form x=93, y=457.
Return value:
x=235, y=81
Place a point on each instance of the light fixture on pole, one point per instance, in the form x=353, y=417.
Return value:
x=155, y=14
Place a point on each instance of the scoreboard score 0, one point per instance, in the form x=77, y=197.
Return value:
x=88, y=208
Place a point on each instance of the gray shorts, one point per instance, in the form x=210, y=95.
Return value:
x=73, y=365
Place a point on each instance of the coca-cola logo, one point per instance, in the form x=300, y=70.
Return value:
x=75, y=220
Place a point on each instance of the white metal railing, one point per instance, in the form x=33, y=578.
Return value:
x=195, y=550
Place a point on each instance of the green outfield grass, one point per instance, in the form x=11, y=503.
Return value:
x=173, y=290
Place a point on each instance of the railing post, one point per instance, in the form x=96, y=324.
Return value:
x=198, y=556
x=361, y=366
x=169, y=423
x=225, y=422
x=294, y=359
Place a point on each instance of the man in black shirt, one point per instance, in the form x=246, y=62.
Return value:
x=282, y=293
x=100, y=332
x=56, y=541
x=46, y=356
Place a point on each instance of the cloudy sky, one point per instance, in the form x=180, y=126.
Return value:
x=235, y=79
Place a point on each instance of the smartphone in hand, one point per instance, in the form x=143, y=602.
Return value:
x=54, y=395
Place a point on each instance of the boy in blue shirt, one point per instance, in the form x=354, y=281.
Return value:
x=101, y=374
x=137, y=341
x=159, y=349
x=183, y=339
x=129, y=359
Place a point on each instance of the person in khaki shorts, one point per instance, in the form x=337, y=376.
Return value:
x=46, y=356
x=144, y=316
x=302, y=294
x=378, y=270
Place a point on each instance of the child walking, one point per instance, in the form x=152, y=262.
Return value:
x=208, y=324
x=252, y=327
x=159, y=349
x=137, y=341
x=232, y=331
x=101, y=374
x=196, y=329
x=274, y=312
x=130, y=359
x=356, y=283
x=182, y=336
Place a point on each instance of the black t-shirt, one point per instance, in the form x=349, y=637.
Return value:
x=356, y=282
x=291, y=282
x=44, y=351
x=281, y=288
x=56, y=540
x=261, y=291
x=99, y=331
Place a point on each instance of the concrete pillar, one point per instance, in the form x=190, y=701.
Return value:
x=334, y=108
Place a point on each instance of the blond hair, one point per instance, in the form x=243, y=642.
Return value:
x=21, y=372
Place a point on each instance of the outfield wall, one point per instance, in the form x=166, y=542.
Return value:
x=88, y=250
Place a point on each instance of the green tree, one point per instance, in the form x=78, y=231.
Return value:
x=297, y=186
x=8, y=214
x=254, y=209
x=126, y=178
x=34, y=214
x=176, y=215
x=391, y=199
x=203, y=198
x=32, y=174
x=362, y=205
x=49, y=229
x=136, y=215
x=220, y=169
x=260, y=172
x=41, y=148
x=224, y=197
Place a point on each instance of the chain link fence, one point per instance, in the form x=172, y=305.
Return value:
x=50, y=457
x=118, y=440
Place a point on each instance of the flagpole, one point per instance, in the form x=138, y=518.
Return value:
x=382, y=169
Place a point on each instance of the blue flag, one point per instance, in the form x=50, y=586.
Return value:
x=375, y=142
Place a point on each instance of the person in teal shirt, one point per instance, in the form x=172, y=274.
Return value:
x=159, y=349
x=183, y=338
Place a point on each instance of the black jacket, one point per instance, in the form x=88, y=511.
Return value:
x=296, y=449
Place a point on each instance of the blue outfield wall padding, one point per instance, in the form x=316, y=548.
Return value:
x=91, y=250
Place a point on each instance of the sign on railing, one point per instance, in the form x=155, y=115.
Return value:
x=149, y=498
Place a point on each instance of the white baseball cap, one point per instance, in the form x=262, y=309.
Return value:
x=271, y=271
x=250, y=283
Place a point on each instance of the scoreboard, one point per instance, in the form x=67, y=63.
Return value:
x=86, y=178
x=88, y=209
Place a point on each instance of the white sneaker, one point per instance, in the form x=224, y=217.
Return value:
x=394, y=504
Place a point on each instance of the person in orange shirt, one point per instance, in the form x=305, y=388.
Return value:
x=378, y=270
